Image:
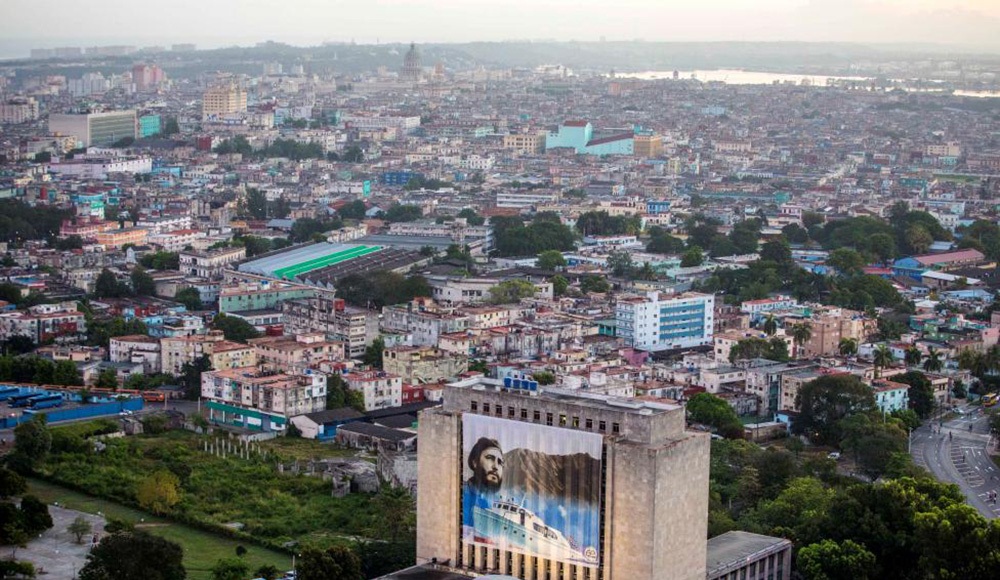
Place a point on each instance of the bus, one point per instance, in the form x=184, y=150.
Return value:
x=153, y=396
x=991, y=399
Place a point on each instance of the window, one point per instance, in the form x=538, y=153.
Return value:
x=474, y=406
x=590, y=424
x=510, y=412
x=486, y=407
x=562, y=420
x=616, y=428
x=499, y=409
x=602, y=426
x=576, y=422
x=537, y=416
x=524, y=414
x=548, y=419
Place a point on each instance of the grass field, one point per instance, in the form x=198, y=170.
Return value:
x=201, y=549
x=304, y=449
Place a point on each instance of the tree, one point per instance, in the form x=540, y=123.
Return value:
x=134, y=555
x=404, y=213
x=230, y=569
x=11, y=483
x=710, y=410
x=80, y=527
x=108, y=286
x=620, y=263
x=912, y=356
x=396, y=513
x=559, y=284
x=235, y=329
x=544, y=377
x=336, y=562
x=171, y=127
x=594, y=284
x=770, y=326
x=34, y=517
x=551, y=260
x=191, y=376
x=66, y=373
x=374, y=353
x=848, y=346
x=825, y=401
x=267, y=572
x=470, y=216
x=692, y=257
x=189, y=297
x=354, y=210
x=306, y=229
x=846, y=261
x=159, y=492
x=921, y=392
x=32, y=441
x=511, y=291
x=161, y=260
x=933, y=363
x=881, y=358
x=254, y=204
x=873, y=442
x=142, y=283
x=776, y=251
x=918, y=239
x=801, y=333
x=829, y=560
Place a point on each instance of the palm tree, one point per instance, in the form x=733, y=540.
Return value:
x=770, y=325
x=848, y=346
x=801, y=332
x=912, y=356
x=881, y=358
x=933, y=363
x=976, y=363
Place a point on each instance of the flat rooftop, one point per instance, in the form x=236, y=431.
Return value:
x=737, y=547
x=579, y=398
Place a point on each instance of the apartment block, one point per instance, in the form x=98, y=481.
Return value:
x=663, y=321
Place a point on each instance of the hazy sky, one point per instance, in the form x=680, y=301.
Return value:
x=223, y=22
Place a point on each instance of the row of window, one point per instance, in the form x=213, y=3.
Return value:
x=536, y=417
x=539, y=566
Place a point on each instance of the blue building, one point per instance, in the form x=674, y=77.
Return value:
x=655, y=206
x=149, y=125
x=579, y=136
x=398, y=177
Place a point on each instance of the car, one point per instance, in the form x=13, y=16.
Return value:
x=959, y=411
x=835, y=455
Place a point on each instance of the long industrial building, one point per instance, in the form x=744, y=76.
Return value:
x=322, y=263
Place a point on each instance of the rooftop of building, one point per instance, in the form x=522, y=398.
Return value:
x=736, y=547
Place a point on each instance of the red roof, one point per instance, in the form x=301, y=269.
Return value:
x=968, y=254
x=575, y=124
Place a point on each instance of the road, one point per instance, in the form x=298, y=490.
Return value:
x=955, y=453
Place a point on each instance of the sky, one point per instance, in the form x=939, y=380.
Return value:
x=213, y=23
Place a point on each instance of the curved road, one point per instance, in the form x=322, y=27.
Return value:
x=956, y=454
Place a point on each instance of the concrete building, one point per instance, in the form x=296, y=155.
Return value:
x=890, y=396
x=115, y=239
x=136, y=348
x=747, y=556
x=18, y=110
x=648, y=145
x=95, y=129
x=579, y=136
x=222, y=100
x=176, y=351
x=295, y=353
x=263, y=296
x=664, y=321
x=829, y=326
x=419, y=365
x=210, y=264
x=354, y=327
x=638, y=483
x=261, y=400
x=529, y=143
x=380, y=389
x=44, y=322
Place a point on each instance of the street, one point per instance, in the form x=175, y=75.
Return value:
x=958, y=455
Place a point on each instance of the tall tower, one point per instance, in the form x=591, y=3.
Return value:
x=411, y=64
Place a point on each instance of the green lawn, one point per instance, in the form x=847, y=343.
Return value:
x=201, y=549
x=304, y=449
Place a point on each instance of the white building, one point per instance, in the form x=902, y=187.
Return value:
x=137, y=349
x=380, y=390
x=210, y=264
x=661, y=322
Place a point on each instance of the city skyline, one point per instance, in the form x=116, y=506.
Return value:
x=965, y=23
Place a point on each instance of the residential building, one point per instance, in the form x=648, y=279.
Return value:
x=223, y=100
x=210, y=264
x=18, y=110
x=527, y=143
x=665, y=321
x=176, y=351
x=829, y=325
x=136, y=348
x=354, y=327
x=890, y=396
x=419, y=365
x=261, y=400
x=579, y=136
x=44, y=322
x=380, y=389
x=915, y=266
x=295, y=353
x=424, y=320
x=640, y=484
x=116, y=239
x=265, y=295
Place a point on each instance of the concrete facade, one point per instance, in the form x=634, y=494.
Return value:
x=655, y=479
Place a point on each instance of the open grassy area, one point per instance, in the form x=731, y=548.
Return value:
x=304, y=449
x=248, y=494
x=201, y=549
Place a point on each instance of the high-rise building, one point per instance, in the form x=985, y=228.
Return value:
x=19, y=110
x=95, y=129
x=665, y=321
x=221, y=100
x=147, y=76
x=553, y=484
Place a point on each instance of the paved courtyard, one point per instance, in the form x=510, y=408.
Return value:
x=55, y=554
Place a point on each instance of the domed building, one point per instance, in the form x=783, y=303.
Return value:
x=411, y=64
